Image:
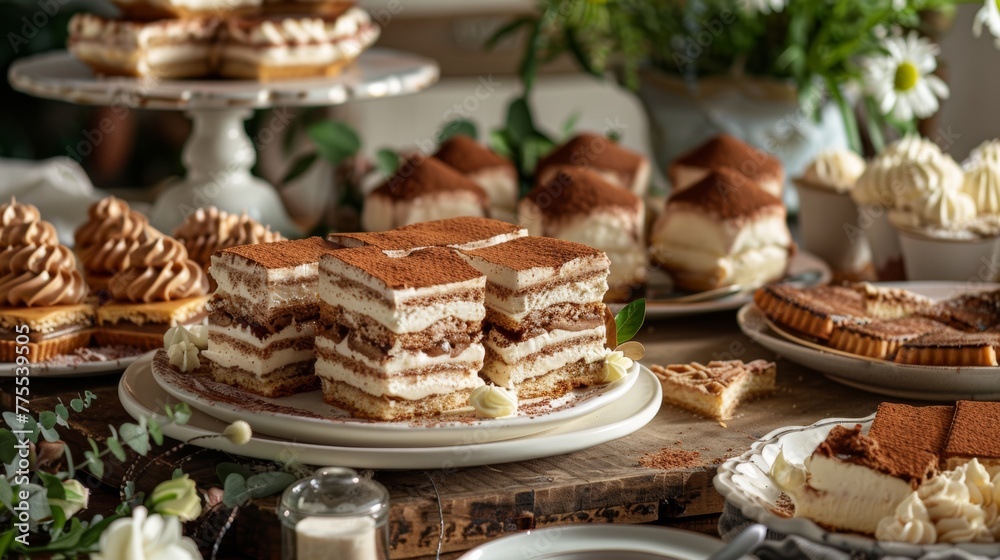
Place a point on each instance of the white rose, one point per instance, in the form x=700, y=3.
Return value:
x=616, y=366
x=146, y=537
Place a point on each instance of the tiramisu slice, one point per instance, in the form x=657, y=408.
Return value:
x=892, y=303
x=458, y=233
x=716, y=389
x=265, y=315
x=723, y=230
x=729, y=152
x=164, y=49
x=814, y=311
x=271, y=48
x=852, y=481
x=975, y=433
x=880, y=339
x=969, y=312
x=924, y=428
x=950, y=347
x=421, y=190
x=578, y=205
x=618, y=166
x=406, y=332
x=544, y=314
x=496, y=175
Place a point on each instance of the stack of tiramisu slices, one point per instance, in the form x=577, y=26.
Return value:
x=405, y=335
x=890, y=323
x=456, y=233
x=265, y=315
x=545, y=314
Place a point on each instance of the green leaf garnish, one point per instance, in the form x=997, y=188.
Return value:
x=629, y=320
x=335, y=141
x=456, y=127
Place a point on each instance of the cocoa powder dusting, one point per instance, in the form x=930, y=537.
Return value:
x=670, y=459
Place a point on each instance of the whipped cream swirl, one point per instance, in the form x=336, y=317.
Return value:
x=982, y=183
x=837, y=170
x=14, y=212
x=40, y=275
x=159, y=270
x=111, y=233
x=208, y=230
x=28, y=233
x=491, y=401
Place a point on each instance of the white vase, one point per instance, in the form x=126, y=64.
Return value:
x=765, y=113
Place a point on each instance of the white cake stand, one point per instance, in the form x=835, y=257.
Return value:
x=219, y=153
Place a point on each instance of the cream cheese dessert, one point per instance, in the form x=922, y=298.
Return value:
x=457, y=233
x=405, y=334
x=724, y=230
x=496, y=175
x=544, y=314
x=265, y=315
x=422, y=189
x=164, y=49
x=727, y=151
x=618, y=166
x=280, y=47
x=578, y=205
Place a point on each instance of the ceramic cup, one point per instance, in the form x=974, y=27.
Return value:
x=963, y=260
x=887, y=254
x=828, y=221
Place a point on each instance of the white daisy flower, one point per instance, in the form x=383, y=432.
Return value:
x=990, y=15
x=902, y=81
x=762, y=6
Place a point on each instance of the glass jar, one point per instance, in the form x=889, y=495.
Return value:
x=335, y=514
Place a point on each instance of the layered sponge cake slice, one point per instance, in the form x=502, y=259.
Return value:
x=544, y=314
x=265, y=315
x=405, y=335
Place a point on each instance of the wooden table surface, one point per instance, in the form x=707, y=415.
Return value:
x=605, y=484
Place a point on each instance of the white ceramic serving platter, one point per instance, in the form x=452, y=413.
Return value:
x=802, y=263
x=142, y=396
x=63, y=368
x=934, y=383
x=745, y=482
x=307, y=418
x=598, y=542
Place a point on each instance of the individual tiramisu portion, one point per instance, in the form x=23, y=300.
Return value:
x=544, y=314
x=721, y=231
x=716, y=389
x=496, y=175
x=724, y=151
x=164, y=49
x=892, y=303
x=207, y=230
x=405, y=334
x=852, y=481
x=924, y=428
x=281, y=47
x=880, y=339
x=578, y=205
x=814, y=311
x=421, y=190
x=618, y=166
x=265, y=315
x=457, y=233
x=975, y=433
x=950, y=347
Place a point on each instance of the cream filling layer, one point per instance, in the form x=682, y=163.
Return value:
x=294, y=331
x=751, y=268
x=228, y=356
x=403, y=362
x=381, y=213
x=276, y=291
x=411, y=387
x=142, y=60
x=291, y=55
x=517, y=307
x=509, y=375
x=515, y=353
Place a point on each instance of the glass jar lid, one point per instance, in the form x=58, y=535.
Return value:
x=335, y=492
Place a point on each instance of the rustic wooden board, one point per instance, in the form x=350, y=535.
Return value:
x=605, y=484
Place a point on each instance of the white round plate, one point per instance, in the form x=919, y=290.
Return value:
x=59, y=368
x=141, y=396
x=377, y=73
x=598, y=542
x=745, y=482
x=306, y=417
x=661, y=309
x=935, y=383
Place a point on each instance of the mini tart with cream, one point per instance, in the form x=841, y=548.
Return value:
x=578, y=205
x=421, y=190
x=616, y=165
x=496, y=175
x=159, y=288
x=725, y=151
x=208, y=230
x=41, y=293
x=112, y=232
x=274, y=47
x=724, y=230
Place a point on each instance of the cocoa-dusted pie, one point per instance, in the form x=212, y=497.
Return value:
x=892, y=303
x=950, y=347
x=915, y=427
x=970, y=312
x=975, y=433
x=716, y=389
x=880, y=338
x=813, y=311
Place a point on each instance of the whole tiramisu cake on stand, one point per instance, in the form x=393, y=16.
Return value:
x=496, y=175
x=265, y=315
x=578, y=205
x=618, y=166
x=421, y=190
x=405, y=334
x=725, y=151
x=544, y=314
x=723, y=230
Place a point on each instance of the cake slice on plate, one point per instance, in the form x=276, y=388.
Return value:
x=617, y=165
x=725, y=151
x=458, y=233
x=405, y=334
x=716, y=389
